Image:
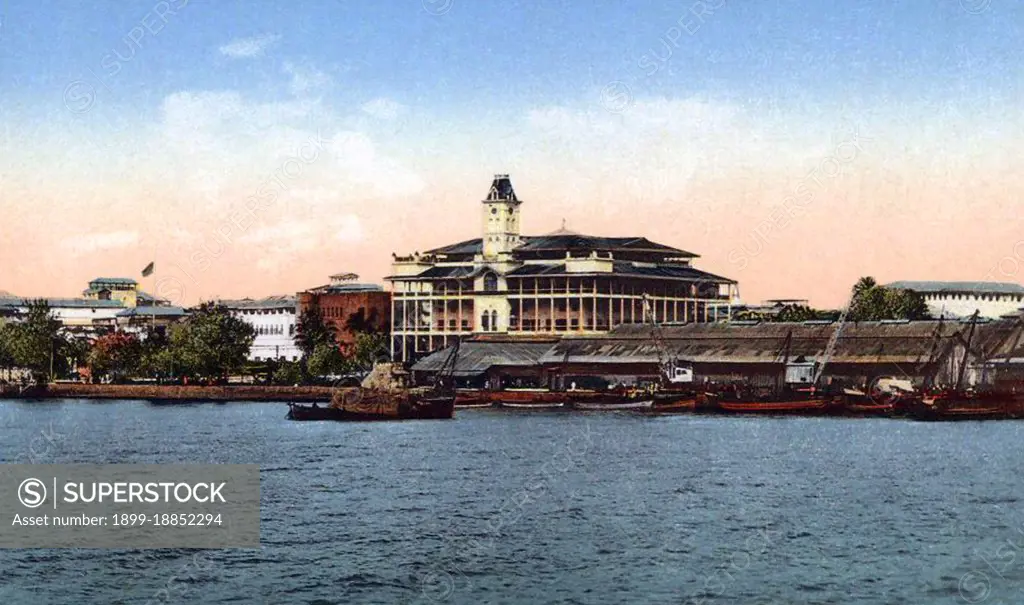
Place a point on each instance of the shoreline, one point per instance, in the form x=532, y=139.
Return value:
x=163, y=392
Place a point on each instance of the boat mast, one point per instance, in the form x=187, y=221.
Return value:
x=659, y=341
x=785, y=359
x=967, y=351
x=833, y=340
x=447, y=369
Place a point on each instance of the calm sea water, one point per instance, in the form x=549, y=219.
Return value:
x=498, y=507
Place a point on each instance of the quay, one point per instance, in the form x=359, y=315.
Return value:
x=170, y=393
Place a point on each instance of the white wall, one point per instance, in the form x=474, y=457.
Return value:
x=275, y=333
x=964, y=305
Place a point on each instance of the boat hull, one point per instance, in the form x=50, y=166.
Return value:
x=640, y=404
x=526, y=405
x=802, y=407
x=953, y=406
x=379, y=407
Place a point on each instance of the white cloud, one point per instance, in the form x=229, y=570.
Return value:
x=383, y=108
x=247, y=48
x=290, y=239
x=358, y=158
x=349, y=229
x=306, y=79
x=94, y=242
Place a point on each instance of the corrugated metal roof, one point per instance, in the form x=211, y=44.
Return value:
x=863, y=342
x=114, y=280
x=475, y=357
x=981, y=287
x=151, y=311
x=663, y=271
x=573, y=242
x=69, y=303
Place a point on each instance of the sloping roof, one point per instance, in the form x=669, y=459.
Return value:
x=501, y=190
x=437, y=272
x=592, y=243
x=476, y=357
x=147, y=297
x=67, y=303
x=470, y=246
x=985, y=287
x=862, y=342
x=154, y=311
x=268, y=302
x=573, y=242
x=114, y=280
x=665, y=271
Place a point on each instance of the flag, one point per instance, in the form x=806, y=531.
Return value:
x=148, y=270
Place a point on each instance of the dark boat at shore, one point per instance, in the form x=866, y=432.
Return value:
x=379, y=405
x=364, y=404
x=960, y=405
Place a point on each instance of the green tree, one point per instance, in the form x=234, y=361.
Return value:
x=906, y=304
x=6, y=355
x=311, y=331
x=118, y=355
x=368, y=350
x=157, y=357
x=211, y=342
x=288, y=373
x=872, y=302
x=326, y=360
x=76, y=351
x=36, y=342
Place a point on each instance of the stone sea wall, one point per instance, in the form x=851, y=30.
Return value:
x=186, y=393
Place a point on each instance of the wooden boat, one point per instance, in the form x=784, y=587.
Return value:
x=668, y=402
x=613, y=404
x=858, y=403
x=368, y=404
x=525, y=397
x=959, y=405
x=378, y=405
x=814, y=406
x=527, y=405
x=472, y=399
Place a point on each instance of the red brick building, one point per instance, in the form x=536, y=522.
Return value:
x=350, y=306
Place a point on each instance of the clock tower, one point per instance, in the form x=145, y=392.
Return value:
x=501, y=218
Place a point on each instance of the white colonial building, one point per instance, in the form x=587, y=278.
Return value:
x=108, y=304
x=274, y=319
x=535, y=286
x=962, y=298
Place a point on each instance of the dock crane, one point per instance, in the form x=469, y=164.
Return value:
x=671, y=372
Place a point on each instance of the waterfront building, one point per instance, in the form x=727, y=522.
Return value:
x=350, y=306
x=273, y=319
x=109, y=303
x=124, y=290
x=962, y=298
x=143, y=318
x=761, y=354
x=508, y=283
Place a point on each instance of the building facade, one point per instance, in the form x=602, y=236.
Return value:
x=350, y=306
x=108, y=304
x=273, y=318
x=507, y=283
x=955, y=299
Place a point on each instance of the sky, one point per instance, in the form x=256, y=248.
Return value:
x=252, y=149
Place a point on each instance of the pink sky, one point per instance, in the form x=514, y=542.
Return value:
x=791, y=208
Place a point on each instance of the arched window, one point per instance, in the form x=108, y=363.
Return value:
x=490, y=282
x=486, y=322
x=494, y=321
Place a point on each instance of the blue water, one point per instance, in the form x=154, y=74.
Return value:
x=498, y=507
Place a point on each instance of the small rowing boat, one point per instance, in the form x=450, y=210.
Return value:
x=526, y=405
